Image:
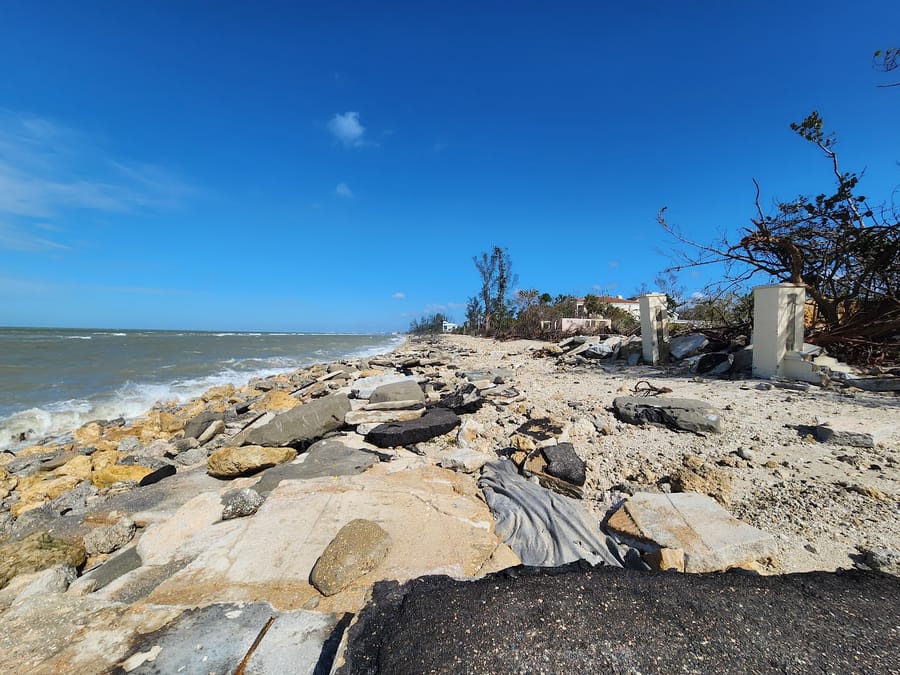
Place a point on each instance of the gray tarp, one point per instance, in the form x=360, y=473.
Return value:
x=543, y=528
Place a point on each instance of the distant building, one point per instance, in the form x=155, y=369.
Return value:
x=449, y=327
x=633, y=307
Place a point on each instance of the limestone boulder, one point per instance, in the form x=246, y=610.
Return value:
x=109, y=538
x=301, y=425
x=197, y=425
x=694, y=475
x=35, y=553
x=364, y=387
x=356, y=417
x=117, y=473
x=231, y=462
x=356, y=549
x=276, y=400
x=404, y=390
x=676, y=413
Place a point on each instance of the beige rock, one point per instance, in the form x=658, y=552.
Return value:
x=169, y=422
x=37, y=552
x=102, y=459
x=371, y=372
x=8, y=483
x=696, y=476
x=230, y=462
x=36, y=450
x=41, y=491
x=357, y=548
x=468, y=432
x=88, y=433
x=221, y=391
x=666, y=559
x=118, y=473
x=276, y=400
x=78, y=467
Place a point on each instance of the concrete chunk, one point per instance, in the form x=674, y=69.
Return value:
x=854, y=432
x=711, y=538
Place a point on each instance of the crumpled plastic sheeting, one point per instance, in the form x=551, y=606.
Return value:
x=544, y=528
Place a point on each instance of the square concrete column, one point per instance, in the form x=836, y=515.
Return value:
x=777, y=326
x=654, y=328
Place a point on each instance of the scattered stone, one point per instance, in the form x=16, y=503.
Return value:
x=852, y=431
x=675, y=413
x=466, y=460
x=241, y=503
x=301, y=425
x=215, y=428
x=357, y=549
x=565, y=464
x=711, y=538
x=464, y=400
x=608, y=348
x=191, y=457
x=434, y=422
x=715, y=363
x=696, y=476
x=35, y=553
x=109, y=538
x=882, y=559
x=231, y=462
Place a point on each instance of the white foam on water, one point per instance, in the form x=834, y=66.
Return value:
x=133, y=399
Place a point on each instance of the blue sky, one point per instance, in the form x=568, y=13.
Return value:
x=335, y=166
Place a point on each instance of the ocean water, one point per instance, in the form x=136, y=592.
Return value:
x=54, y=380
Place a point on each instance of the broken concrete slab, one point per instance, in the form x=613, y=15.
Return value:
x=687, y=345
x=676, y=413
x=435, y=422
x=854, y=432
x=357, y=417
x=711, y=538
x=404, y=390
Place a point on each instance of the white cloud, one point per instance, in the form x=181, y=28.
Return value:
x=399, y=296
x=343, y=190
x=47, y=169
x=347, y=129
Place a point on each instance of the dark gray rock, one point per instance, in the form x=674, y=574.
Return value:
x=301, y=425
x=716, y=363
x=676, y=413
x=198, y=424
x=435, y=422
x=743, y=361
x=406, y=390
x=464, y=401
x=565, y=464
x=241, y=503
x=162, y=472
x=619, y=621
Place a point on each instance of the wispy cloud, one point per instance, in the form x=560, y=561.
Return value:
x=347, y=129
x=48, y=170
x=399, y=296
x=343, y=190
x=613, y=264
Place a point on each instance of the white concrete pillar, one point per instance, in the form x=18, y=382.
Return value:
x=777, y=326
x=654, y=328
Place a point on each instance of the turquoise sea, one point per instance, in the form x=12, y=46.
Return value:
x=53, y=380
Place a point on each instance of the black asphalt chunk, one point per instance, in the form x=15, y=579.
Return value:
x=582, y=619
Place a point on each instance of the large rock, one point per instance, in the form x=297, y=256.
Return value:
x=435, y=422
x=711, y=538
x=853, y=431
x=405, y=390
x=109, y=538
x=301, y=425
x=465, y=400
x=356, y=549
x=230, y=462
x=715, y=363
x=35, y=553
x=696, y=476
x=357, y=417
x=118, y=473
x=686, y=345
x=364, y=387
x=676, y=413
x=199, y=424
x=565, y=464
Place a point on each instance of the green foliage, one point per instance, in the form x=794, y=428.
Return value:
x=728, y=310
x=497, y=278
x=428, y=325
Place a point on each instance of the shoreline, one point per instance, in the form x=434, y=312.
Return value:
x=154, y=480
